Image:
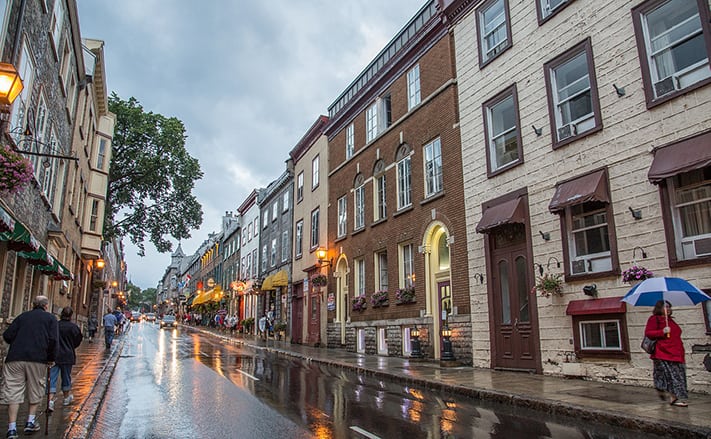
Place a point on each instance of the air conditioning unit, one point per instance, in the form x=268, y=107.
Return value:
x=581, y=266
x=666, y=86
x=566, y=131
x=695, y=248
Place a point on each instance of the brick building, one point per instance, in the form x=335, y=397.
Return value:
x=395, y=220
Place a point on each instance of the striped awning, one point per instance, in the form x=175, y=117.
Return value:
x=20, y=239
x=7, y=222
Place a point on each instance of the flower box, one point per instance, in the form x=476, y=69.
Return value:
x=636, y=273
x=379, y=298
x=15, y=170
x=319, y=280
x=549, y=285
x=405, y=295
x=359, y=303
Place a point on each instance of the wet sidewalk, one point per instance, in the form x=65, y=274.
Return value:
x=632, y=407
x=90, y=378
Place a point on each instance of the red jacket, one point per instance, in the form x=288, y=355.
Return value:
x=668, y=348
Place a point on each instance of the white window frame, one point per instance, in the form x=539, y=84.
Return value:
x=275, y=211
x=577, y=124
x=285, y=202
x=700, y=191
x=56, y=25
x=350, y=141
x=22, y=101
x=381, y=269
x=593, y=262
x=342, y=216
x=380, y=210
x=413, y=87
x=315, y=172
x=265, y=219
x=299, y=238
x=492, y=29
x=407, y=265
x=359, y=207
x=371, y=122
x=404, y=183
x=256, y=227
x=315, y=227
x=94, y=216
x=433, y=167
x=583, y=342
x=284, y=245
x=255, y=267
x=101, y=153
x=548, y=7
x=264, y=257
x=498, y=152
x=300, y=186
x=359, y=277
x=273, y=253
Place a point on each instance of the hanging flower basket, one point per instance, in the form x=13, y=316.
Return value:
x=15, y=170
x=405, y=295
x=379, y=298
x=636, y=273
x=549, y=285
x=320, y=280
x=359, y=303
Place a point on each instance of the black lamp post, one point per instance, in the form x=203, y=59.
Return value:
x=447, y=354
x=415, y=341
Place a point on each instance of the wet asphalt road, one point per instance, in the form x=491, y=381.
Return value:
x=174, y=384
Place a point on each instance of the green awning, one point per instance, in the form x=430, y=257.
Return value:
x=40, y=257
x=20, y=239
x=56, y=269
x=7, y=222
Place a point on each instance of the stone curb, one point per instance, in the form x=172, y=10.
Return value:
x=554, y=407
x=83, y=421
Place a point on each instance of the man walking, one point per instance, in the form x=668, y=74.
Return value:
x=33, y=345
x=109, y=328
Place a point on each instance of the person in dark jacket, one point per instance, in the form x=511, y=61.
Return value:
x=33, y=346
x=669, y=364
x=93, y=325
x=69, y=339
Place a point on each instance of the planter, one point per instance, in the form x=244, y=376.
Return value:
x=405, y=302
x=382, y=304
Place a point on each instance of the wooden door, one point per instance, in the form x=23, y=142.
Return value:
x=315, y=317
x=513, y=333
x=297, y=314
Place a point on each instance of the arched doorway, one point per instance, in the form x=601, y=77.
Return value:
x=341, y=277
x=437, y=281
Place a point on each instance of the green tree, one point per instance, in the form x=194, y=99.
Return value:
x=151, y=178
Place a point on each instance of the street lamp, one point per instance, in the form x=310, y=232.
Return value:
x=100, y=264
x=10, y=84
x=415, y=341
x=447, y=354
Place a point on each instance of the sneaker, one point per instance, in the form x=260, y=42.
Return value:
x=68, y=400
x=31, y=427
x=11, y=434
x=50, y=406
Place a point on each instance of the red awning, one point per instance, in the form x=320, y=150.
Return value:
x=590, y=187
x=608, y=305
x=508, y=212
x=687, y=155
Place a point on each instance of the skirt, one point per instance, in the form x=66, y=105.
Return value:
x=670, y=376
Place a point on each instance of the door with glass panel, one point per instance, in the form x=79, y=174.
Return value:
x=513, y=335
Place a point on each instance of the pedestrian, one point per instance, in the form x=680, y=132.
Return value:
x=69, y=339
x=109, y=328
x=668, y=358
x=93, y=325
x=263, y=325
x=33, y=345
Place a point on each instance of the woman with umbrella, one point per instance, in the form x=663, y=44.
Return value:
x=669, y=366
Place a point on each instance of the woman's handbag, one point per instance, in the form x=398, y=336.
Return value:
x=648, y=345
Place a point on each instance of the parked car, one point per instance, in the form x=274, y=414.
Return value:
x=135, y=316
x=168, y=321
x=151, y=317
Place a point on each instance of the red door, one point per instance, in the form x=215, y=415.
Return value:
x=314, y=316
x=297, y=314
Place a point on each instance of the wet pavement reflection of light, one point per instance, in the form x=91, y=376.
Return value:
x=180, y=383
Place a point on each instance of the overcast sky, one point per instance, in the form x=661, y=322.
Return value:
x=247, y=78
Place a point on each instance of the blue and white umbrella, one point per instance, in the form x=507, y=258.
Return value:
x=674, y=290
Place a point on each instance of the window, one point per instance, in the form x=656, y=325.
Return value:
x=371, y=122
x=284, y=245
x=265, y=218
x=587, y=224
x=407, y=266
x=359, y=203
x=433, y=168
x=690, y=202
x=273, y=253
x=342, y=216
x=248, y=267
x=381, y=267
x=314, y=173
x=359, y=277
x=93, y=221
x=275, y=211
x=384, y=113
x=249, y=232
x=285, y=202
x=350, y=141
x=503, y=137
x=56, y=24
x=548, y=8
x=574, y=107
x=671, y=45
x=298, y=241
x=264, y=257
x=404, y=196
x=20, y=106
x=314, y=229
x=381, y=210
x=256, y=227
x=244, y=236
x=244, y=267
x=254, y=263
x=300, y=187
x=101, y=154
x=494, y=29
x=413, y=87
x=599, y=328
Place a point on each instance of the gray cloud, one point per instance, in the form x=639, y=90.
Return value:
x=246, y=78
